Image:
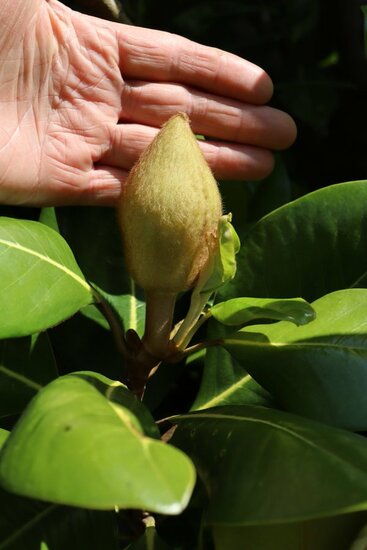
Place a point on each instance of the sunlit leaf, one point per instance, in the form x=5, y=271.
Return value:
x=40, y=282
x=239, y=311
x=263, y=466
x=80, y=443
x=318, y=370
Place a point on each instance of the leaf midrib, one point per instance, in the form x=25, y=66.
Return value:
x=214, y=401
x=47, y=259
x=27, y=526
x=293, y=434
x=296, y=345
x=20, y=378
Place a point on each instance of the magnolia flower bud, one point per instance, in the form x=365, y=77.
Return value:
x=169, y=211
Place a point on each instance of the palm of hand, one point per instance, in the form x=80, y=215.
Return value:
x=72, y=126
x=58, y=126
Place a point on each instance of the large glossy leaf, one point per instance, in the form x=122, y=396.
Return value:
x=334, y=533
x=319, y=370
x=239, y=311
x=360, y=543
x=225, y=382
x=3, y=436
x=26, y=364
x=40, y=282
x=263, y=466
x=309, y=247
x=81, y=443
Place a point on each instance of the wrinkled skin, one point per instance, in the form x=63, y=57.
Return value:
x=80, y=98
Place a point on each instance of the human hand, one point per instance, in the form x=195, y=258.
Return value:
x=80, y=99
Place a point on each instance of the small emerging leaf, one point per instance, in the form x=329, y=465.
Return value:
x=219, y=271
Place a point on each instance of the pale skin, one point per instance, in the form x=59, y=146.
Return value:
x=80, y=98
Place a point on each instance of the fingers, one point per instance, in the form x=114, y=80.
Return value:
x=226, y=119
x=160, y=56
x=228, y=161
x=104, y=186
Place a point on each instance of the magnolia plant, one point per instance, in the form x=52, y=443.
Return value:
x=265, y=448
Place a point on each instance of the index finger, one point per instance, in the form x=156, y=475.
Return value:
x=147, y=54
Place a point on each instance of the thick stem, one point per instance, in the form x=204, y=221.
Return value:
x=142, y=361
x=177, y=355
x=158, y=322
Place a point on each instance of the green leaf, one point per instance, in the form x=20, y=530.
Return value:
x=118, y=394
x=26, y=524
x=220, y=270
x=335, y=533
x=92, y=313
x=263, y=466
x=307, y=248
x=40, y=282
x=130, y=308
x=3, y=436
x=319, y=370
x=224, y=265
x=49, y=218
x=75, y=446
x=239, y=311
x=26, y=364
x=225, y=382
x=360, y=543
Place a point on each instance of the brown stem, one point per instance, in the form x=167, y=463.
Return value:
x=144, y=357
x=158, y=322
x=177, y=355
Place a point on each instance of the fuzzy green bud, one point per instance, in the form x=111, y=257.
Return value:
x=169, y=211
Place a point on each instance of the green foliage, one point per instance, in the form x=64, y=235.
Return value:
x=283, y=389
x=30, y=525
x=250, y=447
x=47, y=456
x=274, y=394
x=318, y=370
x=243, y=310
x=335, y=532
x=29, y=253
x=309, y=247
x=26, y=364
